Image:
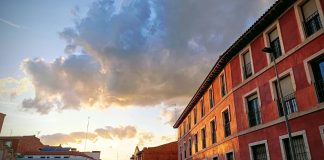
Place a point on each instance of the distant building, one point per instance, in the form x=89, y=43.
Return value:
x=93, y=154
x=2, y=116
x=163, y=152
x=31, y=148
x=237, y=112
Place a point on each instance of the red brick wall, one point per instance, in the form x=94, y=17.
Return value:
x=164, y=152
x=289, y=30
x=259, y=57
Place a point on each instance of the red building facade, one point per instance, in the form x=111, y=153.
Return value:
x=236, y=113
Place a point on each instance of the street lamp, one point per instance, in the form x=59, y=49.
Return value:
x=281, y=104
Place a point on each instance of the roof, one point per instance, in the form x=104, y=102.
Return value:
x=63, y=153
x=256, y=29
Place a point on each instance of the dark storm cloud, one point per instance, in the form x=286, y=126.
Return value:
x=146, y=52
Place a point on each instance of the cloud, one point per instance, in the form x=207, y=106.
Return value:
x=144, y=137
x=14, y=87
x=170, y=114
x=168, y=138
x=11, y=23
x=71, y=82
x=120, y=132
x=139, y=53
x=74, y=137
x=108, y=132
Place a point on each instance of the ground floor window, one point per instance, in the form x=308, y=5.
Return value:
x=299, y=144
x=259, y=152
x=230, y=156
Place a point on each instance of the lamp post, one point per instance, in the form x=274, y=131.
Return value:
x=281, y=104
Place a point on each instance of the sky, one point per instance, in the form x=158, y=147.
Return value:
x=129, y=67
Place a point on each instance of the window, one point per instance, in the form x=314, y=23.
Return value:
x=8, y=144
x=259, y=152
x=311, y=19
x=190, y=147
x=180, y=153
x=288, y=95
x=196, y=143
x=227, y=125
x=185, y=150
x=230, y=156
x=213, y=131
x=202, y=111
x=189, y=122
x=184, y=127
x=195, y=115
x=300, y=148
x=253, y=110
x=203, y=138
x=223, y=85
x=180, y=131
x=317, y=66
x=215, y=158
x=275, y=44
x=247, y=65
x=211, y=98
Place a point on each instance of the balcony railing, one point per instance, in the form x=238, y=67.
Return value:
x=247, y=70
x=319, y=87
x=290, y=104
x=227, y=129
x=312, y=24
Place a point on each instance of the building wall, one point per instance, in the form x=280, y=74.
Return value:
x=296, y=50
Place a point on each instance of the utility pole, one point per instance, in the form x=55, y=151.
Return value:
x=282, y=104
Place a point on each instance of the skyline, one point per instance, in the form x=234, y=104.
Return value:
x=110, y=59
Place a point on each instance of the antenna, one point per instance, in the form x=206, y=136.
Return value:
x=38, y=132
x=85, y=143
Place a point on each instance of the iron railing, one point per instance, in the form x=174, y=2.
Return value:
x=227, y=129
x=247, y=70
x=312, y=24
x=300, y=149
x=319, y=87
x=259, y=152
x=290, y=104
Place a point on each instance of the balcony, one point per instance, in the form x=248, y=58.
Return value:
x=290, y=104
x=319, y=87
x=312, y=24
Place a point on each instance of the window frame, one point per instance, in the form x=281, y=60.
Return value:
x=196, y=142
x=221, y=82
x=300, y=18
x=231, y=151
x=242, y=62
x=190, y=146
x=272, y=83
x=211, y=97
x=230, y=119
x=195, y=115
x=189, y=122
x=211, y=133
x=298, y=133
x=203, y=140
x=274, y=25
x=265, y=142
x=245, y=103
x=321, y=129
x=202, y=108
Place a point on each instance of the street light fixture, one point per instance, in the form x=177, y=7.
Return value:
x=281, y=104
